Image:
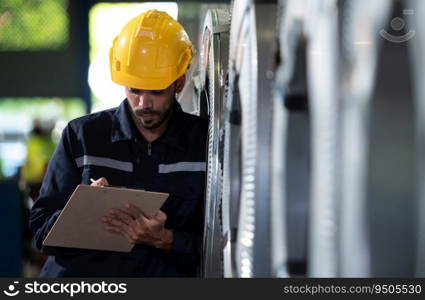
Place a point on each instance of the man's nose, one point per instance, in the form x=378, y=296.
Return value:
x=145, y=101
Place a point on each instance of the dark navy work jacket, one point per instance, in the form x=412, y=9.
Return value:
x=108, y=144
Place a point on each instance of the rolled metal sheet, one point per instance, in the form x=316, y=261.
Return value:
x=417, y=50
x=243, y=71
x=213, y=68
x=248, y=137
x=290, y=29
x=358, y=57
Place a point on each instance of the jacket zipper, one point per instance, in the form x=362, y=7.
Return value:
x=149, y=149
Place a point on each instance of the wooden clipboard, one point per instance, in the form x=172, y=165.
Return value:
x=80, y=226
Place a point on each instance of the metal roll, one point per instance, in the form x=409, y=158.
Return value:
x=418, y=69
x=213, y=69
x=359, y=57
x=290, y=35
x=247, y=125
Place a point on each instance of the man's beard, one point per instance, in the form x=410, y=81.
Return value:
x=162, y=117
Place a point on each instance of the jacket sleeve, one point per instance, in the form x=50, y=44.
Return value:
x=187, y=243
x=61, y=178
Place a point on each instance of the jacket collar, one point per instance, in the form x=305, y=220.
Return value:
x=124, y=129
x=173, y=136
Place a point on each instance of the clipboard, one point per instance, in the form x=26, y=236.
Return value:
x=80, y=226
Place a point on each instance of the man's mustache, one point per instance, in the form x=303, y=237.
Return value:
x=146, y=111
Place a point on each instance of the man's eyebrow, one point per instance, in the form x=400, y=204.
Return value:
x=136, y=90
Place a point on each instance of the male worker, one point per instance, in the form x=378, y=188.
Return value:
x=147, y=143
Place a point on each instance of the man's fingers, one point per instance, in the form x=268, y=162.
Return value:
x=139, y=230
x=133, y=210
x=160, y=216
x=115, y=222
x=119, y=230
x=102, y=181
x=124, y=216
x=120, y=226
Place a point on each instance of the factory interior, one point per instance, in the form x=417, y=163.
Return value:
x=315, y=162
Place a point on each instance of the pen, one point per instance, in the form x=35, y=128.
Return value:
x=92, y=180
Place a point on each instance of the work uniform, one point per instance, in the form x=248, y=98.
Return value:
x=108, y=144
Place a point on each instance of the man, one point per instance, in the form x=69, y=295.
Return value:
x=148, y=143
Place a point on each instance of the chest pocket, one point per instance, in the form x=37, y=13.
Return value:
x=185, y=180
x=186, y=191
x=184, y=185
x=95, y=167
x=114, y=177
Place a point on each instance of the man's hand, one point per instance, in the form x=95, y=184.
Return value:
x=138, y=229
x=100, y=182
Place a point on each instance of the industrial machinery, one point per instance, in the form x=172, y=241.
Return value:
x=316, y=148
x=212, y=72
x=237, y=187
x=314, y=137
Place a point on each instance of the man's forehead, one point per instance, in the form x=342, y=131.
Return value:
x=141, y=90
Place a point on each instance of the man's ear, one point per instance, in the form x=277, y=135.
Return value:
x=180, y=83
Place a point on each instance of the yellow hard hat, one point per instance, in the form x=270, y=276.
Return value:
x=151, y=52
